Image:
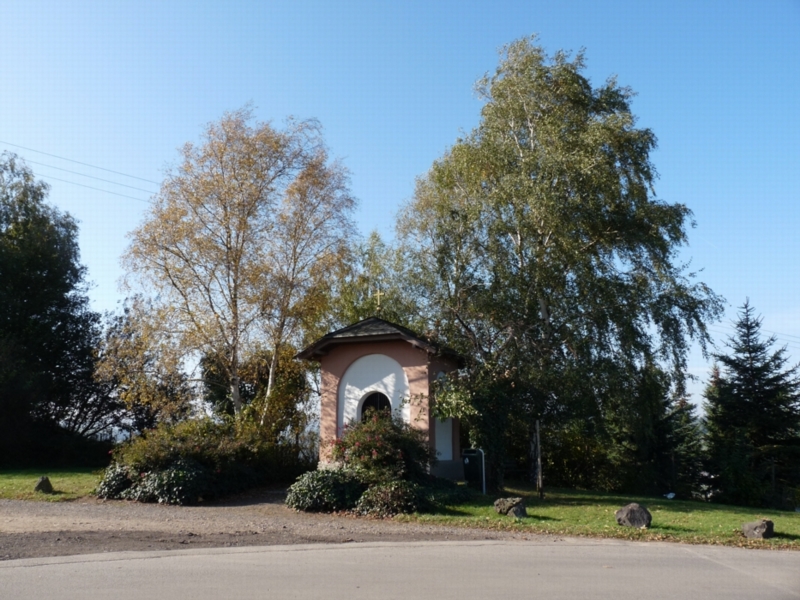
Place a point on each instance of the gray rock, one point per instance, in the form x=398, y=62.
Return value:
x=44, y=486
x=634, y=515
x=513, y=507
x=759, y=530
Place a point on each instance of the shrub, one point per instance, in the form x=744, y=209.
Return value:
x=115, y=481
x=384, y=472
x=184, y=482
x=385, y=449
x=198, y=459
x=326, y=490
x=389, y=499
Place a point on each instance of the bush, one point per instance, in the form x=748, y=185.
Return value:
x=385, y=449
x=384, y=472
x=326, y=490
x=184, y=482
x=389, y=499
x=198, y=459
x=115, y=481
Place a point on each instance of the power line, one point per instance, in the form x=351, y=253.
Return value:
x=732, y=327
x=33, y=162
x=93, y=188
x=791, y=344
x=79, y=162
x=777, y=334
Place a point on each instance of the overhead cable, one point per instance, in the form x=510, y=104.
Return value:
x=92, y=188
x=33, y=162
x=79, y=162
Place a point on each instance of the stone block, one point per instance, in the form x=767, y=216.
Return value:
x=513, y=507
x=44, y=486
x=759, y=530
x=634, y=515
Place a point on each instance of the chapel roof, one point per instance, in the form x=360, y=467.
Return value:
x=373, y=329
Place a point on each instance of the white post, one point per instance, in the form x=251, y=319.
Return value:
x=539, y=478
x=483, y=469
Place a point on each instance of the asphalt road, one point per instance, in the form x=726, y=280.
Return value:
x=569, y=569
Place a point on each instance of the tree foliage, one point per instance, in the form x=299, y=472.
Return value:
x=47, y=331
x=287, y=414
x=142, y=370
x=374, y=270
x=753, y=419
x=540, y=249
x=241, y=240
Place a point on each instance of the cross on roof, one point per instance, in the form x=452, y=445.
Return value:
x=378, y=295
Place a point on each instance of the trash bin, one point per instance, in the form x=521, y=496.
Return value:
x=474, y=468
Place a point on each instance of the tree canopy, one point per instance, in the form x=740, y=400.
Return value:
x=539, y=248
x=47, y=331
x=239, y=241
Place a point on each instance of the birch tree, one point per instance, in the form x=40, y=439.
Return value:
x=309, y=243
x=542, y=252
x=235, y=234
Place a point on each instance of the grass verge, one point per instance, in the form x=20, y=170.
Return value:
x=591, y=514
x=68, y=484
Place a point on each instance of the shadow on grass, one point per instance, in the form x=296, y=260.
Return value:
x=450, y=511
x=565, y=497
x=671, y=529
x=54, y=493
x=541, y=518
x=456, y=511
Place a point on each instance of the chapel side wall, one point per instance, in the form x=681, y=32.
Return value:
x=329, y=385
x=334, y=365
x=442, y=364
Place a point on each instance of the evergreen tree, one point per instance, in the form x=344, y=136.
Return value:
x=685, y=443
x=48, y=333
x=654, y=443
x=753, y=419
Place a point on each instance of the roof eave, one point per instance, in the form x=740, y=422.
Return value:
x=324, y=346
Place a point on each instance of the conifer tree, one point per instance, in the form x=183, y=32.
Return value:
x=753, y=419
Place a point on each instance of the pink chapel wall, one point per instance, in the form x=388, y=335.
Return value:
x=420, y=369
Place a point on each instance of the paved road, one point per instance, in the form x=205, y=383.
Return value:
x=569, y=569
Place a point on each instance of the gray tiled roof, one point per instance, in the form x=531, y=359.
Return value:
x=371, y=329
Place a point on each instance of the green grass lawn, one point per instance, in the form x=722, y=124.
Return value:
x=68, y=484
x=578, y=513
x=562, y=512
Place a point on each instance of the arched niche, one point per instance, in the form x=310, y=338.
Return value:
x=367, y=375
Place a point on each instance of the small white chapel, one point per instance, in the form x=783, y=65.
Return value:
x=382, y=365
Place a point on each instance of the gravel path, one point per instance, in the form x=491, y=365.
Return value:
x=258, y=518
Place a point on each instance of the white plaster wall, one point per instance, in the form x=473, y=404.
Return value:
x=444, y=439
x=372, y=373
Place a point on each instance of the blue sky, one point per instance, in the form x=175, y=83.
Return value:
x=122, y=85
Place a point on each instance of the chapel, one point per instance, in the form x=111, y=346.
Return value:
x=382, y=365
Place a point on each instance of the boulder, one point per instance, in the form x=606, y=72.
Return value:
x=759, y=530
x=44, y=486
x=513, y=507
x=634, y=515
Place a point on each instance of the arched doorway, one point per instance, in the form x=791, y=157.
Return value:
x=377, y=402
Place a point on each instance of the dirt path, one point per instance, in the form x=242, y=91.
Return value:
x=259, y=518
